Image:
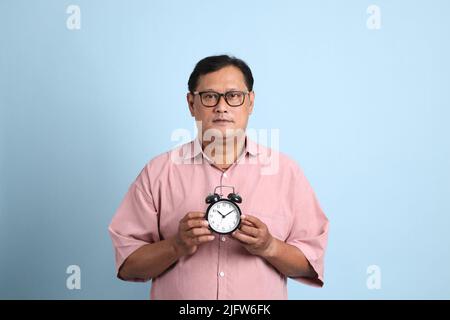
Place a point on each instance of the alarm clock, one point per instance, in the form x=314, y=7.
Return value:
x=223, y=214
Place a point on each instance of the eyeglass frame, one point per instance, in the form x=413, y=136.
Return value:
x=220, y=96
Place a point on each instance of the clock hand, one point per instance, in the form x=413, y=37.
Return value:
x=229, y=212
x=220, y=213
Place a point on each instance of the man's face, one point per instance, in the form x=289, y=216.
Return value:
x=226, y=79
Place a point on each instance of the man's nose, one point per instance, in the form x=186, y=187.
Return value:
x=222, y=105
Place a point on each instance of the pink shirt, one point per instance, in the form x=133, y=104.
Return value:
x=273, y=188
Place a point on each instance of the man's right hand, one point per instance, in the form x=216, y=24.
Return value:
x=192, y=231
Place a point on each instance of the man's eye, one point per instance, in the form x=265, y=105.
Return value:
x=234, y=95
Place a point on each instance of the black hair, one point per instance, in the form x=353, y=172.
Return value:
x=214, y=63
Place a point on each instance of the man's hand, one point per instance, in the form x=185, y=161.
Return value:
x=192, y=231
x=255, y=236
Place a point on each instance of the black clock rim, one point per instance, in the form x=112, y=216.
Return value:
x=224, y=200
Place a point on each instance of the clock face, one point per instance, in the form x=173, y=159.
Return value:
x=223, y=216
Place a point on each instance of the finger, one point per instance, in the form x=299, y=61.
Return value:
x=203, y=239
x=251, y=231
x=194, y=223
x=247, y=223
x=243, y=237
x=195, y=232
x=193, y=215
x=258, y=223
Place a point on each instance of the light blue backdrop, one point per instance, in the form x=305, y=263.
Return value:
x=364, y=112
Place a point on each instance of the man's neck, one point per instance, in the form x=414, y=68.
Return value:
x=224, y=152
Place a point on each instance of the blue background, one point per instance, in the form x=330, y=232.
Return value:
x=364, y=112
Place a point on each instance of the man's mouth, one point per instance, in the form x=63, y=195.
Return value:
x=222, y=120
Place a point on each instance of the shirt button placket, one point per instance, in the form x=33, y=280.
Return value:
x=221, y=281
x=221, y=274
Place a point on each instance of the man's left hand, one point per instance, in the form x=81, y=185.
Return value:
x=255, y=236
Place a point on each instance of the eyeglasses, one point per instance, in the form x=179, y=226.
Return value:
x=211, y=98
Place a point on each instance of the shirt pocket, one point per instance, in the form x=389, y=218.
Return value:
x=278, y=225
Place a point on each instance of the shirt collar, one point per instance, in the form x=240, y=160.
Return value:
x=251, y=147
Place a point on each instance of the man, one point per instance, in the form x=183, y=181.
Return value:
x=160, y=232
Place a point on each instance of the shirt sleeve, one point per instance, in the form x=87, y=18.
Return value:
x=135, y=223
x=309, y=231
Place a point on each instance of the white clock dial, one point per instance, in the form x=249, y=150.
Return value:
x=224, y=216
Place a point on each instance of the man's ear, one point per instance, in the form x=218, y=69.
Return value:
x=251, y=96
x=190, y=101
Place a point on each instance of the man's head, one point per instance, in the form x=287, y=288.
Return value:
x=221, y=75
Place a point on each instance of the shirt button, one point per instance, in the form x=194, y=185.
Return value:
x=222, y=273
x=224, y=239
x=225, y=175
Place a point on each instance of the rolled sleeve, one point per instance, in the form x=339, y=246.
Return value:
x=135, y=224
x=309, y=232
